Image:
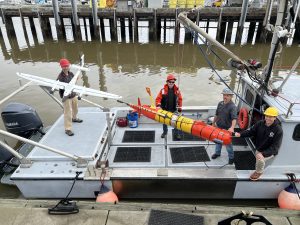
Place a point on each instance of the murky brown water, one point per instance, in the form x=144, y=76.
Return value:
x=124, y=69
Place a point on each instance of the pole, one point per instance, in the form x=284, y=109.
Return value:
x=15, y=92
x=188, y=23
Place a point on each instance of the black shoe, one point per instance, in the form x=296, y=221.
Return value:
x=214, y=156
x=230, y=161
x=69, y=132
x=77, y=120
x=163, y=135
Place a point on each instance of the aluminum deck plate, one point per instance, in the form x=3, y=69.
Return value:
x=84, y=143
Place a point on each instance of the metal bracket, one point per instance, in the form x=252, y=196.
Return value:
x=81, y=162
x=25, y=163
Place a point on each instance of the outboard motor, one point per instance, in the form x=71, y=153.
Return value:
x=21, y=119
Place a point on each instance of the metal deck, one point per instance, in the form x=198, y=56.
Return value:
x=84, y=143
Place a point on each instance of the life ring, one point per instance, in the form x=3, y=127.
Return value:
x=243, y=118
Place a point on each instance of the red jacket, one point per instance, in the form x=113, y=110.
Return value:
x=162, y=97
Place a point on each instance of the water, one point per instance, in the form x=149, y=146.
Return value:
x=124, y=68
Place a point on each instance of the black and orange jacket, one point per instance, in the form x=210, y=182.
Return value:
x=162, y=99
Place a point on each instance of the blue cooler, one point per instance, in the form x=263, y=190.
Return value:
x=133, y=119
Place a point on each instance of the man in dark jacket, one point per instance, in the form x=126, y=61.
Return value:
x=71, y=102
x=268, y=137
x=169, y=98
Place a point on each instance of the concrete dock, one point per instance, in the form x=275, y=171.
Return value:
x=35, y=212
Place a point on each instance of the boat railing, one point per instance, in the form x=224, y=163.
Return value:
x=15, y=92
x=80, y=161
x=290, y=107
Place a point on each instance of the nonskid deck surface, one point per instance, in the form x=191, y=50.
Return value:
x=143, y=147
x=84, y=143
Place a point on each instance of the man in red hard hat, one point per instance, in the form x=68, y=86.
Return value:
x=169, y=98
x=71, y=102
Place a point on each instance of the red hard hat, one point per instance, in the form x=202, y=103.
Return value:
x=64, y=63
x=171, y=77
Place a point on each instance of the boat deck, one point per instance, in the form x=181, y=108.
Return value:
x=134, y=148
x=141, y=164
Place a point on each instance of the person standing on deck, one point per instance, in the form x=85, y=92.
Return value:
x=268, y=137
x=169, y=98
x=71, y=102
x=225, y=118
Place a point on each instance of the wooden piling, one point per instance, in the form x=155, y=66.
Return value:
x=135, y=25
x=155, y=26
x=75, y=20
x=57, y=19
x=123, y=28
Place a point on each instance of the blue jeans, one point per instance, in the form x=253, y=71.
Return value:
x=229, y=149
x=165, y=129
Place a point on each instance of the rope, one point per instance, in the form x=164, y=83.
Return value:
x=252, y=77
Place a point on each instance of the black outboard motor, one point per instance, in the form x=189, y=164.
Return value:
x=21, y=119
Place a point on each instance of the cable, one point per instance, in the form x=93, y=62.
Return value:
x=292, y=179
x=66, y=206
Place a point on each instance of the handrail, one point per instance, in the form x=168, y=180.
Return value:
x=15, y=92
x=81, y=162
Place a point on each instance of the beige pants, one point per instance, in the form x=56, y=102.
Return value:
x=70, y=112
x=260, y=164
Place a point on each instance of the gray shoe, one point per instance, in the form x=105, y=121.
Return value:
x=214, y=156
x=69, y=132
x=77, y=120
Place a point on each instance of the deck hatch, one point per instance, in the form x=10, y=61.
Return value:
x=133, y=154
x=244, y=160
x=147, y=136
x=159, y=217
x=189, y=154
x=239, y=141
x=186, y=137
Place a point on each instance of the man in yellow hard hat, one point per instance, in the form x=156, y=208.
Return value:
x=268, y=137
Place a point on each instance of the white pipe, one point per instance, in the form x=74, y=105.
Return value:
x=290, y=73
x=92, y=103
x=39, y=145
x=15, y=92
x=12, y=151
x=292, y=29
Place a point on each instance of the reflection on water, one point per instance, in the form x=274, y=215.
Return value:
x=124, y=31
x=107, y=35
x=38, y=30
x=29, y=31
x=19, y=32
x=4, y=36
x=255, y=33
x=245, y=33
x=53, y=29
x=82, y=29
x=68, y=29
x=233, y=33
x=143, y=32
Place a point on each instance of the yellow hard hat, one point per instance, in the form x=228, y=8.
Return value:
x=271, y=111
